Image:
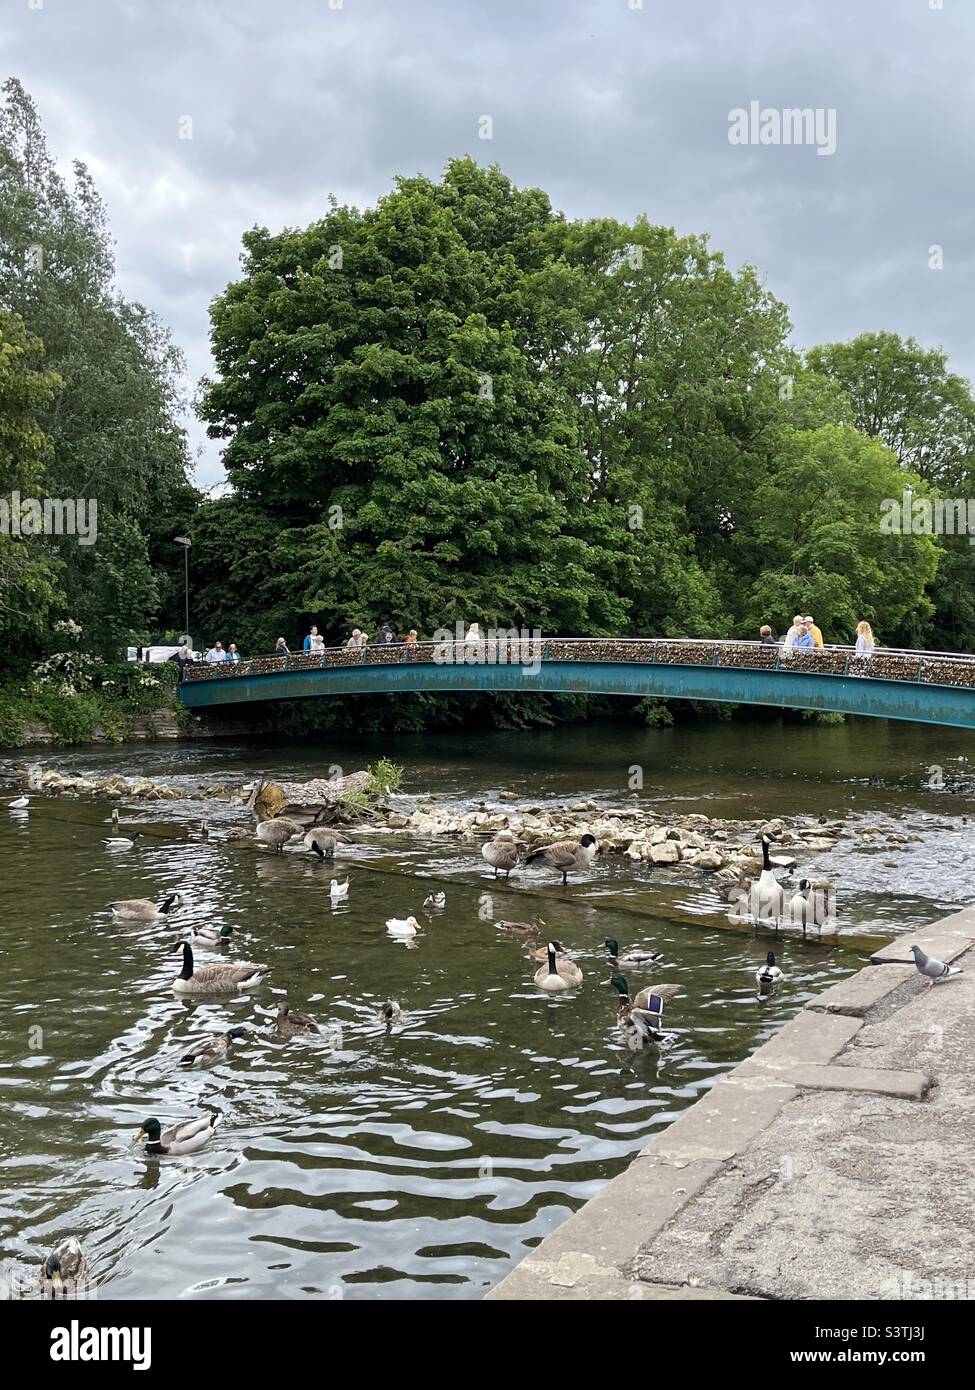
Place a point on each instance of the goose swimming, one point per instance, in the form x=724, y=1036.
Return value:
x=144, y=909
x=559, y=973
x=222, y=977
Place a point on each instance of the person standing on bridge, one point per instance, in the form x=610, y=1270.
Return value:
x=312, y=642
x=281, y=648
x=805, y=639
x=767, y=636
x=215, y=655
x=233, y=655
x=792, y=636
x=865, y=640
x=814, y=631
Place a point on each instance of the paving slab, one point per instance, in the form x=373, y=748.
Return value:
x=859, y=993
x=909, y=1085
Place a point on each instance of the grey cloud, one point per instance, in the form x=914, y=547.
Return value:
x=613, y=111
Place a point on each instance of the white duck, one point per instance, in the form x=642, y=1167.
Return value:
x=402, y=926
x=337, y=891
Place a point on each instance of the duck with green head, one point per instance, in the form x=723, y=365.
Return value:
x=633, y=955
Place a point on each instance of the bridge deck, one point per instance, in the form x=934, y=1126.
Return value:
x=928, y=687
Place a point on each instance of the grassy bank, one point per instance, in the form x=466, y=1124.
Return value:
x=89, y=701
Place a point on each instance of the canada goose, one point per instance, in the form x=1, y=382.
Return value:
x=122, y=841
x=64, y=1270
x=208, y=1051
x=188, y=1137
x=565, y=855
x=212, y=935
x=559, y=973
x=769, y=974
x=639, y=1023
x=931, y=968
x=337, y=890
x=434, y=901
x=808, y=907
x=391, y=1013
x=402, y=926
x=501, y=852
x=239, y=836
x=144, y=909
x=324, y=842
x=633, y=955
x=20, y=803
x=222, y=977
x=291, y=1023
x=277, y=832
x=768, y=898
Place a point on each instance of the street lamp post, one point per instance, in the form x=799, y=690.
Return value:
x=185, y=542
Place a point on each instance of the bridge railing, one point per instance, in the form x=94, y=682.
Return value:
x=885, y=663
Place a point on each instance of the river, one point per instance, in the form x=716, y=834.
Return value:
x=422, y=1163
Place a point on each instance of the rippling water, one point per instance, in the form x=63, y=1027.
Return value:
x=422, y=1163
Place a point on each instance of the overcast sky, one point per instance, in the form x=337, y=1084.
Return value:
x=612, y=108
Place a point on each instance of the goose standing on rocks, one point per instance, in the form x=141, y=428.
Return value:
x=222, y=977
x=144, y=909
x=559, y=973
x=209, y=1051
x=324, y=842
x=64, y=1270
x=501, y=853
x=769, y=974
x=564, y=855
x=277, y=832
x=768, y=897
x=808, y=907
x=188, y=1137
x=291, y=1023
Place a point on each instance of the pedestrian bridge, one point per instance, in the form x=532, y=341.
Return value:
x=929, y=687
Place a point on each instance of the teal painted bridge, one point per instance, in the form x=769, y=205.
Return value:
x=928, y=687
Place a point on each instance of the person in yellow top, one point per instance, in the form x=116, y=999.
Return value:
x=817, y=636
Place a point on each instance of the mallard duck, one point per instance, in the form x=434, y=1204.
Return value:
x=768, y=974
x=20, y=803
x=564, y=855
x=144, y=909
x=402, y=926
x=528, y=929
x=633, y=955
x=212, y=935
x=324, y=842
x=639, y=1023
x=501, y=853
x=64, y=1270
x=188, y=1137
x=289, y=1023
x=222, y=977
x=209, y=1051
x=122, y=841
x=809, y=907
x=277, y=832
x=337, y=891
x=434, y=901
x=391, y=1013
x=559, y=973
x=769, y=897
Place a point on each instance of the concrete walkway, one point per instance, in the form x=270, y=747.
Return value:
x=837, y=1162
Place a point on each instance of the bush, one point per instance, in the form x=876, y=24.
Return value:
x=75, y=696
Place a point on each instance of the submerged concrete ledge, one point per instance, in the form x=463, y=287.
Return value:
x=799, y=1174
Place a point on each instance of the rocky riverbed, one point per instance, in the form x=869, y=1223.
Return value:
x=725, y=848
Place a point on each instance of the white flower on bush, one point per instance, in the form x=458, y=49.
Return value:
x=69, y=671
x=68, y=627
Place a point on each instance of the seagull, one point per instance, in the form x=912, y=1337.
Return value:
x=20, y=803
x=337, y=890
x=932, y=969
